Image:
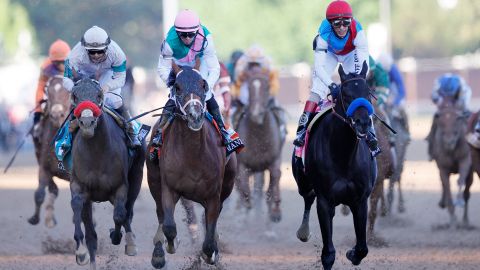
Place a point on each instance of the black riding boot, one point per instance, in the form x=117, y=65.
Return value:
x=166, y=116
x=231, y=145
x=372, y=141
x=133, y=141
x=305, y=118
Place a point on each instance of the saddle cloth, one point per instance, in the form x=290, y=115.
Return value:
x=319, y=112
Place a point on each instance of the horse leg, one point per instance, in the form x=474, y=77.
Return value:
x=401, y=202
x=243, y=186
x=360, y=250
x=209, y=247
x=191, y=218
x=90, y=234
x=39, y=195
x=77, y=203
x=119, y=214
x=466, y=197
x=50, y=220
x=258, y=183
x=303, y=232
x=325, y=213
x=390, y=195
x=130, y=246
x=447, y=195
x=273, y=193
x=372, y=214
x=169, y=200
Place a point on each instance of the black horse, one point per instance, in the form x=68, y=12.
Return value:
x=102, y=170
x=339, y=168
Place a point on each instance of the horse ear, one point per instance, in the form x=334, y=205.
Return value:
x=197, y=63
x=341, y=72
x=364, y=71
x=176, y=68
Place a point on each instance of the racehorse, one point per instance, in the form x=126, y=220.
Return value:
x=192, y=164
x=259, y=126
x=56, y=110
x=399, y=122
x=339, y=168
x=102, y=170
x=451, y=151
x=386, y=166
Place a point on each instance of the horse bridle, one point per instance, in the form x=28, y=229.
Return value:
x=191, y=101
x=347, y=120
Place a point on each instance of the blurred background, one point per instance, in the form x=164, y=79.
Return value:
x=426, y=38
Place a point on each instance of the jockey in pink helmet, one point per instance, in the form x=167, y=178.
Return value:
x=186, y=41
x=340, y=39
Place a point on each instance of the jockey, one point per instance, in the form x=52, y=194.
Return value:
x=185, y=41
x=100, y=58
x=340, y=39
x=379, y=81
x=52, y=66
x=397, y=87
x=448, y=85
x=233, y=62
x=254, y=56
x=452, y=85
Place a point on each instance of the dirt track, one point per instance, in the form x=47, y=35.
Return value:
x=412, y=241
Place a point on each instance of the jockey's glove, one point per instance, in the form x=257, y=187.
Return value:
x=334, y=90
x=36, y=117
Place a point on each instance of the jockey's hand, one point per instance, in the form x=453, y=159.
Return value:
x=334, y=90
x=36, y=117
x=227, y=100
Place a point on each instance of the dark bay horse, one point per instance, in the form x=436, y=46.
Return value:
x=260, y=129
x=192, y=164
x=339, y=168
x=451, y=152
x=102, y=170
x=57, y=109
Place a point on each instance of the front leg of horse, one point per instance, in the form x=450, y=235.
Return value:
x=303, y=233
x=169, y=200
x=325, y=213
x=191, y=218
x=273, y=193
x=90, y=234
x=119, y=214
x=39, y=196
x=209, y=247
x=360, y=250
x=447, y=196
x=243, y=187
x=50, y=220
x=77, y=202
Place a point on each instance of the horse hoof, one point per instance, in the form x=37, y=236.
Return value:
x=352, y=256
x=81, y=255
x=401, y=209
x=211, y=260
x=131, y=250
x=158, y=257
x=116, y=238
x=171, y=246
x=50, y=223
x=303, y=234
x=276, y=216
x=34, y=220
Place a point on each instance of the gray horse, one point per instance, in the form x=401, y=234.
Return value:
x=57, y=108
x=260, y=127
x=102, y=170
x=451, y=152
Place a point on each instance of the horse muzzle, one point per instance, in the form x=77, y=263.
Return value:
x=57, y=115
x=87, y=123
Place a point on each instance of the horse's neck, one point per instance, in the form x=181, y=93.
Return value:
x=343, y=137
x=190, y=140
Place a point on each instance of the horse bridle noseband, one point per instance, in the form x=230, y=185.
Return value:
x=192, y=100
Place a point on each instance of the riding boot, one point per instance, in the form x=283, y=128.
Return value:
x=305, y=118
x=372, y=141
x=166, y=116
x=232, y=144
x=134, y=142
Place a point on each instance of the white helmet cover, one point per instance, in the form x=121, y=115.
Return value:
x=95, y=38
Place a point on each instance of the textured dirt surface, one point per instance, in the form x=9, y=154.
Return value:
x=413, y=240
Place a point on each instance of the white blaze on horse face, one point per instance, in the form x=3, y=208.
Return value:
x=87, y=113
x=57, y=109
x=57, y=87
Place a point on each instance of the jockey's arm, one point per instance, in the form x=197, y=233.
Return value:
x=68, y=75
x=320, y=55
x=211, y=61
x=274, y=82
x=361, y=46
x=42, y=81
x=119, y=68
x=165, y=62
